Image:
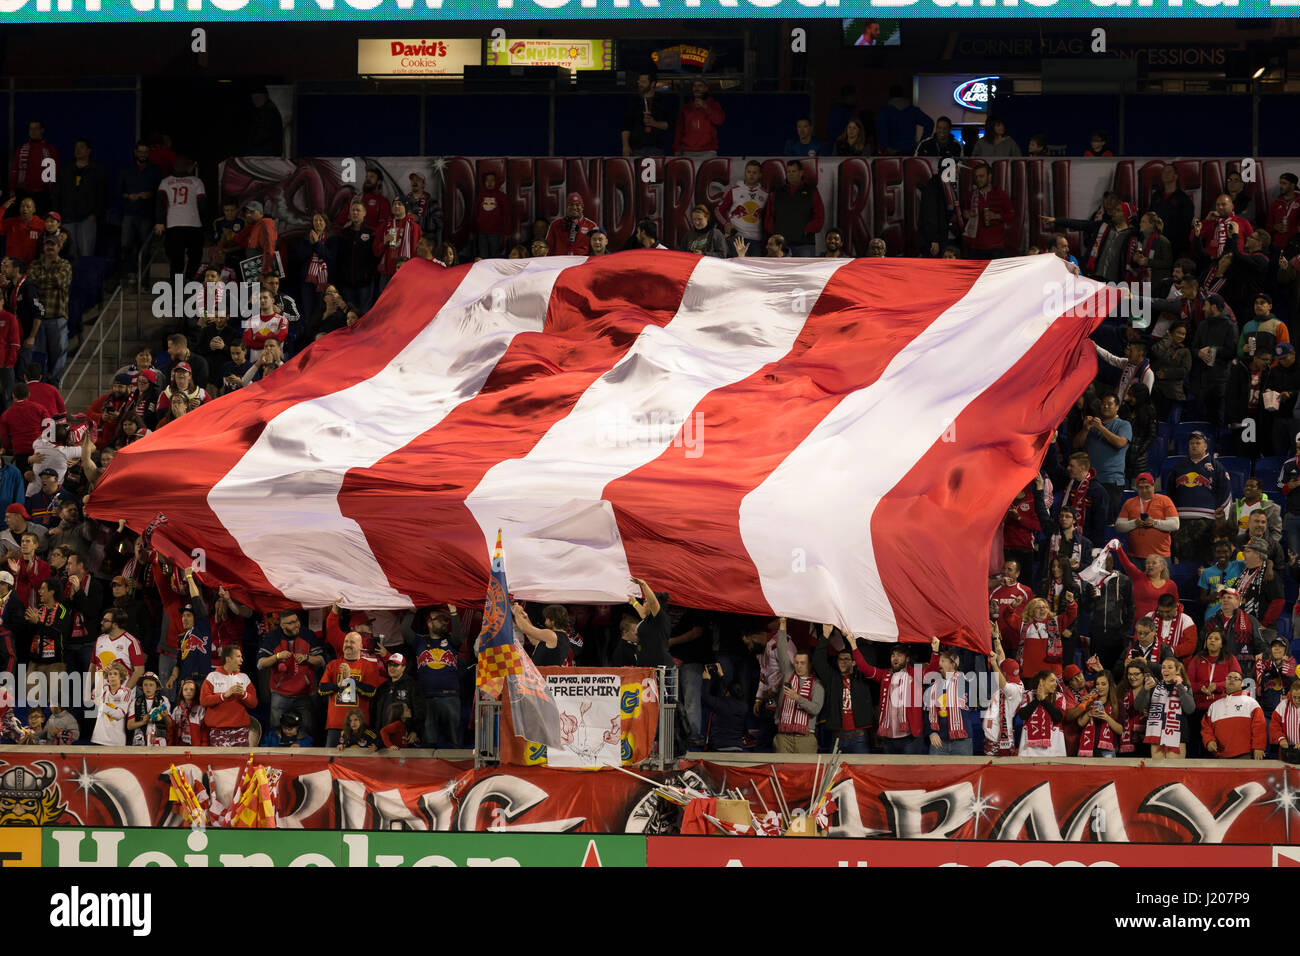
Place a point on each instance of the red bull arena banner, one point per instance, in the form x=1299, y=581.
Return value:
x=1006, y=803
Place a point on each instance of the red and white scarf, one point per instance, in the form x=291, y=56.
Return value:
x=1091, y=264
x=78, y=621
x=1239, y=630
x=1165, y=717
x=1219, y=241
x=1077, y=494
x=895, y=699
x=1038, y=728
x=1269, y=671
x=1168, y=634
x=947, y=701
x=794, y=719
x=1132, y=271
x=999, y=730
x=318, y=273
x=1049, y=631
x=1076, y=549
x=403, y=227
x=1134, y=722
x=1097, y=735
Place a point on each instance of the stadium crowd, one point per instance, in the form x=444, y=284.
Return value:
x=1126, y=620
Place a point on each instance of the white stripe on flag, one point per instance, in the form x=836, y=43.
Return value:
x=808, y=526
x=549, y=502
x=304, y=452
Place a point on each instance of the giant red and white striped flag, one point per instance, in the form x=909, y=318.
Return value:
x=829, y=440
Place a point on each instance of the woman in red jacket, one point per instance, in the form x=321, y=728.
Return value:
x=1148, y=585
x=1207, y=672
x=1100, y=721
x=1042, y=644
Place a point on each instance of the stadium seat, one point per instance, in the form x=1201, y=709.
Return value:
x=1185, y=574
x=1184, y=429
x=1176, y=413
x=1166, y=470
x=1238, y=470
x=1267, y=471
x=1284, y=625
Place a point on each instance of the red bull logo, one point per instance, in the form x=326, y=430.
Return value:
x=189, y=643
x=1193, y=479
x=436, y=659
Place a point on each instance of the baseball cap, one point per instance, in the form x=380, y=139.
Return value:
x=7, y=578
x=1284, y=348
x=1199, y=434
x=1265, y=296
x=1216, y=300
x=55, y=216
x=1145, y=476
x=122, y=581
x=183, y=367
x=395, y=659
x=1233, y=591
x=290, y=719
x=1292, y=178
x=1280, y=640
x=49, y=471
x=1072, y=672
x=122, y=378
x=254, y=206
x=17, y=509
x=573, y=197
x=150, y=675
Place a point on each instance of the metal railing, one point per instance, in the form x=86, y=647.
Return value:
x=98, y=337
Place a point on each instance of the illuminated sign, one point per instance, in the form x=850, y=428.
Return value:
x=417, y=57
x=975, y=94
x=570, y=54
x=218, y=11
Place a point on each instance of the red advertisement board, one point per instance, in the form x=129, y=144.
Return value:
x=1080, y=803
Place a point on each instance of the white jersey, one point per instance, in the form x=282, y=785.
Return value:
x=742, y=208
x=183, y=193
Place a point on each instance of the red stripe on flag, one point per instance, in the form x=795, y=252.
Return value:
x=173, y=469
x=868, y=312
x=431, y=547
x=932, y=516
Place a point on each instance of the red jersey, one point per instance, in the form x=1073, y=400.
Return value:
x=990, y=233
x=1284, y=219
x=21, y=424
x=570, y=238
x=492, y=214
x=1214, y=234
x=46, y=395
x=28, y=164
x=697, y=127
x=357, y=690
x=23, y=238
x=11, y=339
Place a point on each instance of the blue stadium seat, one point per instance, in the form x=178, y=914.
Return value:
x=1184, y=429
x=1185, y=574
x=1284, y=625
x=1176, y=413
x=1238, y=471
x=1125, y=495
x=1267, y=471
x=1166, y=470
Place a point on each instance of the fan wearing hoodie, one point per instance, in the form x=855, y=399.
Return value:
x=703, y=238
x=1235, y=726
x=493, y=222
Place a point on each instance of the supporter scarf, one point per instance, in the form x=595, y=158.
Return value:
x=43, y=641
x=1289, y=718
x=1213, y=280
x=1048, y=631
x=151, y=734
x=1132, y=271
x=954, y=203
x=1076, y=549
x=1269, y=671
x=1238, y=626
x=794, y=719
x=24, y=154
x=1091, y=264
x=999, y=736
x=1168, y=633
x=1165, y=717
x=78, y=622
x=318, y=273
x=1038, y=728
x=947, y=702
x=1097, y=735
x=1214, y=248
x=1077, y=493
x=1134, y=720
x=404, y=237
x=1250, y=584
x=1131, y=373
x=573, y=230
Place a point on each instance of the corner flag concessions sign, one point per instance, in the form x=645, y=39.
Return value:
x=217, y=11
x=417, y=57
x=825, y=439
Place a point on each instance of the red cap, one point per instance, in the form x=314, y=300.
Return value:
x=1072, y=672
x=183, y=367
x=574, y=197
x=395, y=659
x=1010, y=670
x=55, y=216
x=1145, y=476
x=18, y=509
